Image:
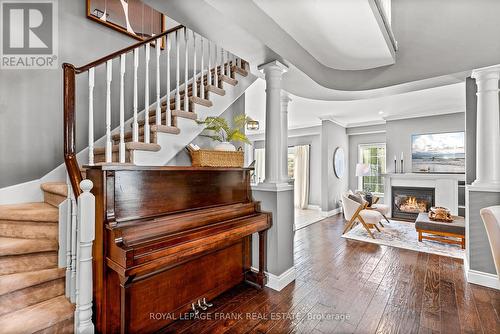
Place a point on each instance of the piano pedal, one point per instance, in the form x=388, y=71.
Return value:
x=203, y=308
x=195, y=311
x=206, y=303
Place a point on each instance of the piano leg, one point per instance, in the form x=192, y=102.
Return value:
x=261, y=276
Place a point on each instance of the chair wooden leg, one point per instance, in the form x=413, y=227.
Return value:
x=349, y=225
x=366, y=227
x=419, y=236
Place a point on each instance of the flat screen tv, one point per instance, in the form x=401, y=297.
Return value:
x=438, y=153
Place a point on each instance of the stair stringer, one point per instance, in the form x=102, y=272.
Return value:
x=171, y=144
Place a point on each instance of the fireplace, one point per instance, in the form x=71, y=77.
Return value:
x=408, y=202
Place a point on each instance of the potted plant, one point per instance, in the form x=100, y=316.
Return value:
x=219, y=130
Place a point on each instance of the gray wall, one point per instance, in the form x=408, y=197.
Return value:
x=399, y=132
x=354, y=142
x=332, y=136
x=237, y=108
x=31, y=142
x=480, y=257
x=314, y=140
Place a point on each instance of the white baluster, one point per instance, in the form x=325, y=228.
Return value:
x=146, y=95
x=216, y=74
x=74, y=234
x=158, y=87
x=67, y=287
x=209, y=74
x=177, y=71
x=228, y=64
x=109, y=77
x=202, y=81
x=122, y=109
x=186, y=68
x=86, y=236
x=223, y=64
x=135, y=125
x=91, y=116
x=168, y=112
x=195, y=84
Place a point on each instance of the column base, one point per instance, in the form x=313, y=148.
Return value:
x=484, y=185
x=273, y=186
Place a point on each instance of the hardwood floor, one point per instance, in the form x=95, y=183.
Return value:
x=346, y=286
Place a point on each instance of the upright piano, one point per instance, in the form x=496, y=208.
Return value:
x=167, y=237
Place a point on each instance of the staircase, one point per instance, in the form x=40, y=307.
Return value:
x=32, y=287
x=33, y=290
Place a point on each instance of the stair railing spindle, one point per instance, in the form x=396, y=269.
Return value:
x=202, y=82
x=195, y=84
x=146, y=95
x=91, y=116
x=223, y=59
x=158, y=84
x=186, y=70
x=135, y=125
x=109, y=78
x=209, y=74
x=216, y=65
x=177, y=72
x=122, y=108
x=168, y=112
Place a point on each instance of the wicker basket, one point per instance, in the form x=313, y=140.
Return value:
x=211, y=158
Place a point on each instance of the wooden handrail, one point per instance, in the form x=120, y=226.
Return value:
x=69, y=79
x=118, y=53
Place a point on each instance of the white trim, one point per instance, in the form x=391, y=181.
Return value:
x=331, y=212
x=481, y=188
x=313, y=207
x=423, y=114
x=366, y=123
x=279, y=282
x=366, y=132
x=274, y=187
x=23, y=192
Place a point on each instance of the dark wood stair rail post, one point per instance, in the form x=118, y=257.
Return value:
x=69, y=78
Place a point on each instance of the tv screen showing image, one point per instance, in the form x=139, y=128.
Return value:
x=438, y=153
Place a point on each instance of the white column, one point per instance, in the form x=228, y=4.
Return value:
x=285, y=99
x=274, y=155
x=488, y=128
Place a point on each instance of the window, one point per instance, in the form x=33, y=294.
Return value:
x=373, y=154
x=259, y=156
x=291, y=161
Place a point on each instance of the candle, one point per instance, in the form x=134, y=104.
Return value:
x=402, y=156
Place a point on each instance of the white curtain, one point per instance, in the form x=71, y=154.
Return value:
x=301, y=176
x=260, y=156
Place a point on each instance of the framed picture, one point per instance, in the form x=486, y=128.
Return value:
x=131, y=17
x=438, y=153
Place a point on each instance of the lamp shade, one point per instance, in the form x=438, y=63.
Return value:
x=363, y=170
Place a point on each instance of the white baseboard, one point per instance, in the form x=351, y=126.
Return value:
x=481, y=278
x=278, y=283
x=331, y=212
x=313, y=207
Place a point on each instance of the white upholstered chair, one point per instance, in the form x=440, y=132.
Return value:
x=355, y=212
x=491, y=219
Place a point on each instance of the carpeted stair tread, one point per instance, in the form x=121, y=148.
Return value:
x=18, y=281
x=18, y=246
x=38, y=212
x=37, y=317
x=58, y=188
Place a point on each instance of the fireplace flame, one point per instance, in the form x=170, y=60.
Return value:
x=411, y=204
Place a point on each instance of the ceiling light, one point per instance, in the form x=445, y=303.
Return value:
x=380, y=112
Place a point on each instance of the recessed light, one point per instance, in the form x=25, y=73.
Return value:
x=380, y=112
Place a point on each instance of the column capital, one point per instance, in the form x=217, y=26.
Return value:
x=273, y=66
x=487, y=73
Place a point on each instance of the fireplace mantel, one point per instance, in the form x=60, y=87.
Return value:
x=445, y=186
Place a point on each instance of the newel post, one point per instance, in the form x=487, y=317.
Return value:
x=86, y=229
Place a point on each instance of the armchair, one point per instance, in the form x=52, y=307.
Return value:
x=491, y=219
x=355, y=212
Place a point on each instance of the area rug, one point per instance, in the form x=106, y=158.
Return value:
x=403, y=235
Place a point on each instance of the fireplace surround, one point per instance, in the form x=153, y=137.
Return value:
x=408, y=202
